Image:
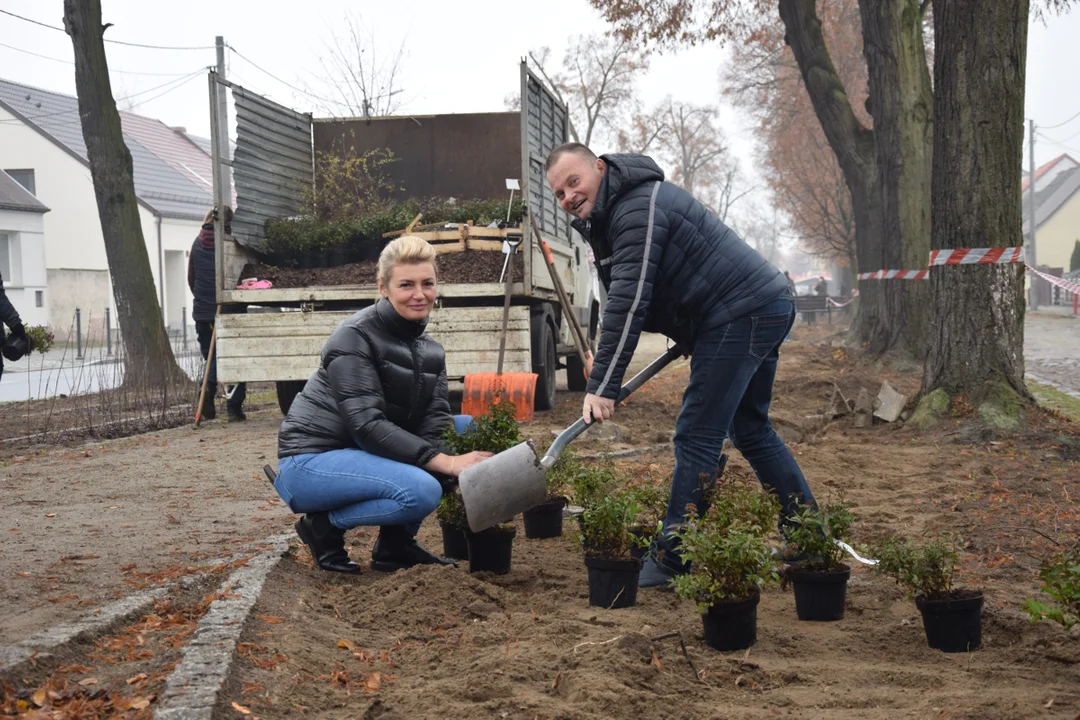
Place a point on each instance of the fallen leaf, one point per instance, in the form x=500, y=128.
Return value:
x=252, y=687
x=1047, y=705
x=50, y=514
x=139, y=703
x=555, y=682
x=172, y=520
x=347, y=644
x=136, y=678
x=373, y=682
x=23, y=574
x=39, y=698
x=87, y=682
x=656, y=661
x=270, y=619
x=240, y=708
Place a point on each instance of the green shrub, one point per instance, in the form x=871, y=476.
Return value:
x=1061, y=581
x=494, y=432
x=41, y=338
x=923, y=569
x=605, y=526
x=814, y=531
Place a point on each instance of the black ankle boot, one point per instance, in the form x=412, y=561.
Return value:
x=396, y=549
x=326, y=543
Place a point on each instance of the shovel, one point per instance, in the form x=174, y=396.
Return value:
x=514, y=481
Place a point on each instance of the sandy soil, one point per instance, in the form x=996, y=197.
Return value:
x=438, y=642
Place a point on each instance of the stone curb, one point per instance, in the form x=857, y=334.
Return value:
x=191, y=690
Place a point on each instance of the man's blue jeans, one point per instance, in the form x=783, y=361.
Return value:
x=359, y=488
x=731, y=379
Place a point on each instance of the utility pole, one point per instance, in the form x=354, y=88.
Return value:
x=223, y=121
x=1033, y=294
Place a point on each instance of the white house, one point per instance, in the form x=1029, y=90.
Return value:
x=22, y=250
x=42, y=148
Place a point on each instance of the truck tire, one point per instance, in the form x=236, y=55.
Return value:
x=287, y=390
x=575, y=374
x=545, y=380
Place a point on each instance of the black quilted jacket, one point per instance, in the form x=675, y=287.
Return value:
x=380, y=387
x=669, y=266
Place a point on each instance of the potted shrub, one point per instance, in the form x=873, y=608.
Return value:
x=651, y=493
x=606, y=538
x=452, y=520
x=819, y=581
x=546, y=519
x=952, y=617
x=1060, y=576
x=730, y=561
x=491, y=549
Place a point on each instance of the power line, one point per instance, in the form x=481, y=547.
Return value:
x=275, y=77
x=69, y=62
x=1054, y=127
x=176, y=83
x=114, y=42
x=1052, y=141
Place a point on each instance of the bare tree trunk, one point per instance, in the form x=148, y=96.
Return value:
x=852, y=143
x=148, y=360
x=977, y=342
x=901, y=103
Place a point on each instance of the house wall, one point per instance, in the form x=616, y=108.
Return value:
x=1057, y=236
x=75, y=263
x=26, y=242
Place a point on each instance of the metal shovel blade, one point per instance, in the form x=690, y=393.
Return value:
x=497, y=489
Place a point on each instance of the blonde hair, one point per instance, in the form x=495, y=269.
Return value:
x=209, y=217
x=405, y=250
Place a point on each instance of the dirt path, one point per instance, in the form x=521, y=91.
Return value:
x=82, y=526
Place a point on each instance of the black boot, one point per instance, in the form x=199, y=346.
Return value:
x=326, y=543
x=396, y=549
x=236, y=414
x=209, y=412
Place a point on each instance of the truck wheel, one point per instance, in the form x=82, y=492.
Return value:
x=287, y=391
x=545, y=382
x=575, y=374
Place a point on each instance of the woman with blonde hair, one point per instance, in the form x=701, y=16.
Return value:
x=361, y=444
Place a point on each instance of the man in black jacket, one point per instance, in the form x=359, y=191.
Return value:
x=201, y=280
x=670, y=266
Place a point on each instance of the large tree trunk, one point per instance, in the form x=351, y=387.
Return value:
x=149, y=360
x=901, y=103
x=977, y=345
x=852, y=143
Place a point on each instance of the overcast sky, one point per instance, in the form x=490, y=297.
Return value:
x=460, y=56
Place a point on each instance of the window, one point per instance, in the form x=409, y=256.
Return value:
x=39, y=298
x=24, y=178
x=5, y=257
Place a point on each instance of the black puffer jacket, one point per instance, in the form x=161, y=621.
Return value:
x=380, y=387
x=669, y=266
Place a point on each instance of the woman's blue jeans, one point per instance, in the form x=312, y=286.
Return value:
x=731, y=380
x=359, y=488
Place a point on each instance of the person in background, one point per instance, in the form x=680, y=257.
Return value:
x=362, y=443
x=201, y=280
x=671, y=266
x=791, y=283
x=10, y=317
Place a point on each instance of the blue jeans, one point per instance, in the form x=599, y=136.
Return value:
x=359, y=488
x=731, y=379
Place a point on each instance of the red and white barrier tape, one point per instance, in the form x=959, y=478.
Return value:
x=1072, y=287
x=896, y=275
x=841, y=304
x=977, y=256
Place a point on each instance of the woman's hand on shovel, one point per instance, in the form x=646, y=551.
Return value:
x=454, y=465
x=597, y=408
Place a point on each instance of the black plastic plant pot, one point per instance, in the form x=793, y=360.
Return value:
x=455, y=546
x=338, y=256
x=613, y=583
x=820, y=595
x=544, y=520
x=731, y=625
x=954, y=624
x=491, y=550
